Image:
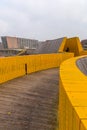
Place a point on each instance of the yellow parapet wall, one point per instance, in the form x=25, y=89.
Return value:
x=72, y=97
x=12, y=67
x=45, y=61
x=83, y=53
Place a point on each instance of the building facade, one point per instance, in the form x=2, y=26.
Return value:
x=19, y=43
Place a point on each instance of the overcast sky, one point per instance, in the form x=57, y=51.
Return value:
x=43, y=19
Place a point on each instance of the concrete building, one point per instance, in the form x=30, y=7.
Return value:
x=1, y=46
x=19, y=43
x=29, y=46
x=84, y=44
x=49, y=46
x=27, y=43
x=9, y=42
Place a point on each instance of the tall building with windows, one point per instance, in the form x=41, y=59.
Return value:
x=18, y=43
x=84, y=44
x=9, y=42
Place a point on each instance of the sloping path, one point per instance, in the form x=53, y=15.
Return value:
x=30, y=102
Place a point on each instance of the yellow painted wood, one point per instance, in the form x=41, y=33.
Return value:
x=81, y=111
x=78, y=98
x=62, y=45
x=69, y=110
x=75, y=121
x=12, y=67
x=83, y=124
x=83, y=52
x=73, y=90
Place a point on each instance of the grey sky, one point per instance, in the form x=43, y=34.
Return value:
x=43, y=19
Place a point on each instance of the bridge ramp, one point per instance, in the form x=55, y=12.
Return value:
x=30, y=102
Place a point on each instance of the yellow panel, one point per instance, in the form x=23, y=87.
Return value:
x=62, y=45
x=69, y=111
x=74, y=88
x=12, y=67
x=83, y=124
x=75, y=121
x=30, y=63
x=62, y=105
x=77, y=86
x=83, y=53
x=81, y=111
x=78, y=98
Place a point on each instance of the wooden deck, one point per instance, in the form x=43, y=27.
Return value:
x=30, y=102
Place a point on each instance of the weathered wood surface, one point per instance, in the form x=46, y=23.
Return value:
x=30, y=102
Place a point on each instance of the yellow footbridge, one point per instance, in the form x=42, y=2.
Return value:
x=15, y=75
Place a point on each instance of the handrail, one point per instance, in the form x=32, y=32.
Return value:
x=12, y=67
x=72, y=97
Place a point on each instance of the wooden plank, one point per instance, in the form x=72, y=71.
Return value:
x=30, y=102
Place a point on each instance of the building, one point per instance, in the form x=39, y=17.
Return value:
x=84, y=44
x=9, y=42
x=19, y=43
x=49, y=46
x=27, y=43
x=1, y=46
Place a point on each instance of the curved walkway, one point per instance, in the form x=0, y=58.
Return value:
x=30, y=102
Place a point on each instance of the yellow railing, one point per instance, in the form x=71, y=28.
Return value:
x=12, y=67
x=73, y=89
x=84, y=52
x=72, y=97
